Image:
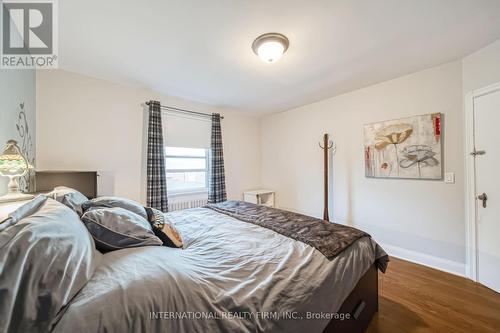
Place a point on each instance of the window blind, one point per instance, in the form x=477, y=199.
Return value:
x=186, y=131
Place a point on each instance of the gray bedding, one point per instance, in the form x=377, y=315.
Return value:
x=231, y=276
x=328, y=238
x=46, y=257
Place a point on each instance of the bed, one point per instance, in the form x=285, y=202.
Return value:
x=231, y=276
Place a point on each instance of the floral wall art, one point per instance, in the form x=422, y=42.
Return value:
x=404, y=148
x=27, y=146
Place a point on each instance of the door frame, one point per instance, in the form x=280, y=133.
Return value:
x=471, y=204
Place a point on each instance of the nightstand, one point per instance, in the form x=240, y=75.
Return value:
x=8, y=207
x=260, y=197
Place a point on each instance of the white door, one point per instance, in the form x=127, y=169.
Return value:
x=487, y=139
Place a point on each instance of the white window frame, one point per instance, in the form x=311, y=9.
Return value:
x=188, y=191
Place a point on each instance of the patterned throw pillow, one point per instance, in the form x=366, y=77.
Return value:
x=163, y=228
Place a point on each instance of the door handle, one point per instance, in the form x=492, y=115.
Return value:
x=483, y=197
x=477, y=152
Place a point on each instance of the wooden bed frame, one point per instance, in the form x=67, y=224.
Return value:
x=361, y=305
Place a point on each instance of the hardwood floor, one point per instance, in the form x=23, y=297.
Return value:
x=415, y=298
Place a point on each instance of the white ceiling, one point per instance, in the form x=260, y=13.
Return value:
x=201, y=50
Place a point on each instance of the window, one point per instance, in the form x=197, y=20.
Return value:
x=187, y=169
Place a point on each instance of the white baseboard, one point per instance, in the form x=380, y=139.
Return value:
x=445, y=265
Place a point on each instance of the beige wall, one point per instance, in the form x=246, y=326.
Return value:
x=412, y=216
x=89, y=124
x=17, y=86
x=482, y=68
x=414, y=219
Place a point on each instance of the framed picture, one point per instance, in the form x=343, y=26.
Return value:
x=404, y=148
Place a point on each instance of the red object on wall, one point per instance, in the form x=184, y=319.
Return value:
x=436, y=121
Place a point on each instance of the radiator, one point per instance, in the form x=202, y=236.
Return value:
x=186, y=204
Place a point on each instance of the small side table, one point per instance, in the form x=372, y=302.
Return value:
x=260, y=197
x=8, y=207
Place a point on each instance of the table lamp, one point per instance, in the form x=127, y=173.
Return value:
x=13, y=165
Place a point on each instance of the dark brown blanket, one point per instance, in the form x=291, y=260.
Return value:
x=328, y=238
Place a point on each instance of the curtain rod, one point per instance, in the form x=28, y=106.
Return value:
x=185, y=111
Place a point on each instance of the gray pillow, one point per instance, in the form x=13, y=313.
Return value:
x=45, y=259
x=111, y=202
x=118, y=228
x=69, y=197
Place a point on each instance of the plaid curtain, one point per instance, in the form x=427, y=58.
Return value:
x=217, y=183
x=157, y=178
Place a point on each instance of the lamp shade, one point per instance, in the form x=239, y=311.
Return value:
x=270, y=47
x=12, y=161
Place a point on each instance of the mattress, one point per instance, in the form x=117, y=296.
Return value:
x=231, y=276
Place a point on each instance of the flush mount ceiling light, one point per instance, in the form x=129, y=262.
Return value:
x=270, y=47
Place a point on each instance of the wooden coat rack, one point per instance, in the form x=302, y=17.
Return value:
x=327, y=145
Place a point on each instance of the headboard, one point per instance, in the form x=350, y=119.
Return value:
x=82, y=181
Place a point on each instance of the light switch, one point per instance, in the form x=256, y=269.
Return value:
x=449, y=177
